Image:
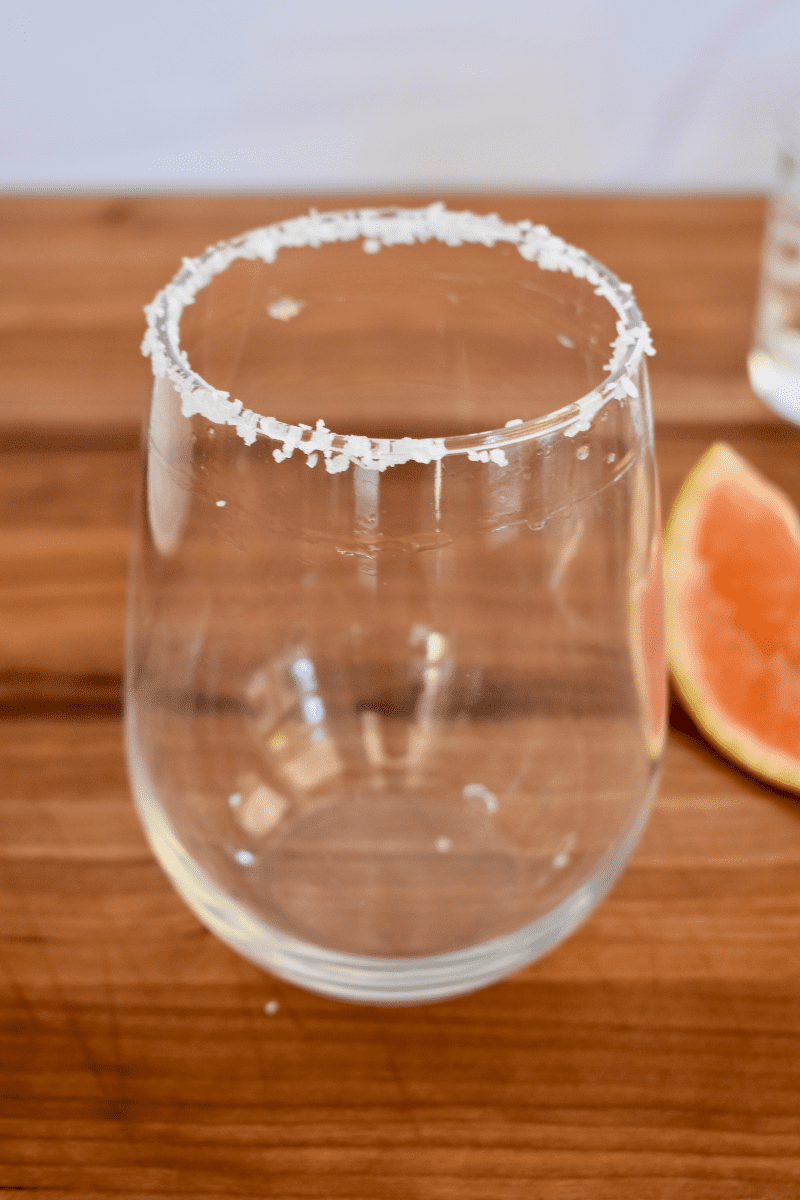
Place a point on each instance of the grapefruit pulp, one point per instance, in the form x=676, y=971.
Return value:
x=732, y=566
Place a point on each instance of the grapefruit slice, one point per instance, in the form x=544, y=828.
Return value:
x=732, y=565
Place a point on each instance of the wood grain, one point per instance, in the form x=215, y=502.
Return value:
x=654, y=1054
x=77, y=271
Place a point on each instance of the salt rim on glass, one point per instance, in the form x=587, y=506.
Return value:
x=377, y=228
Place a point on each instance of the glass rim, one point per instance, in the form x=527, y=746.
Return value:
x=377, y=228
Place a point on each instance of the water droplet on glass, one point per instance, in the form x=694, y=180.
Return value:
x=478, y=791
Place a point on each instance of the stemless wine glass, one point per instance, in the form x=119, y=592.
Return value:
x=774, y=359
x=396, y=693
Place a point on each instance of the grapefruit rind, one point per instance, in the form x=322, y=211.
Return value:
x=720, y=464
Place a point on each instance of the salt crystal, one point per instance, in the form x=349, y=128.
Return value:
x=286, y=308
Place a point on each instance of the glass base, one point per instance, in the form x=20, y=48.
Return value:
x=776, y=382
x=371, y=980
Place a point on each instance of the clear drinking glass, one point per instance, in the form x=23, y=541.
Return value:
x=774, y=359
x=395, y=696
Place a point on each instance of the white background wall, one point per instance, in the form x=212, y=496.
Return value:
x=418, y=93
